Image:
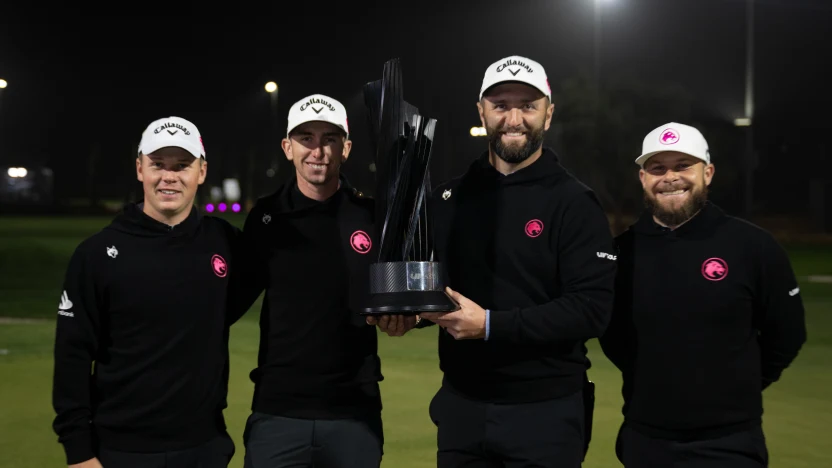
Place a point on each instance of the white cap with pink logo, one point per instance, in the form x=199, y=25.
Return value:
x=516, y=69
x=674, y=137
x=172, y=131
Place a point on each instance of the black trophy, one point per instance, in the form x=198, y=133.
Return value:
x=404, y=280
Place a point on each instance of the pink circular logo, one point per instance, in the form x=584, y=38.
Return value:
x=219, y=266
x=534, y=228
x=360, y=242
x=669, y=137
x=715, y=269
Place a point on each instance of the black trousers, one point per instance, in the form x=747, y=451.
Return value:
x=746, y=449
x=280, y=442
x=215, y=453
x=542, y=434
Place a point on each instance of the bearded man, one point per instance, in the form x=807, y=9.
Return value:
x=707, y=315
x=529, y=250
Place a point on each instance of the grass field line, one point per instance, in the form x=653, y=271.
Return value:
x=18, y=320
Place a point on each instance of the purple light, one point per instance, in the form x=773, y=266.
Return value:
x=235, y=207
x=209, y=207
x=223, y=207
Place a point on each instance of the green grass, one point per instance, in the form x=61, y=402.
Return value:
x=34, y=253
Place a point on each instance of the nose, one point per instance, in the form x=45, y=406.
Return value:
x=169, y=176
x=514, y=118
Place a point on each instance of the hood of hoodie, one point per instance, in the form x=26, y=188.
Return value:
x=545, y=170
x=289, y=199
x=133, y=221
x=705, y=219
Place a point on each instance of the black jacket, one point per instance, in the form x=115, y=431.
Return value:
x=318, y=357
x=144, y=307
x=705, y=317
x=535, y=248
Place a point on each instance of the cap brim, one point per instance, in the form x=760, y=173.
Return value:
x=148, y=149
x=644, y=157
x=543, y=91
x=340, y=127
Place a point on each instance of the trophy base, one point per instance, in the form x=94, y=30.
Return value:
x=409, y=303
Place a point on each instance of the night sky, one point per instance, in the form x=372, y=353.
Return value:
x=81, y=82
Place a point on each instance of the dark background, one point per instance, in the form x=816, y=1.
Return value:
x=84, y=82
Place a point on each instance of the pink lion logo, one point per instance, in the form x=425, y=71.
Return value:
x=534, y=228
x=360, y=242
x=715, y=269
x=219, y=266
x=669, y=137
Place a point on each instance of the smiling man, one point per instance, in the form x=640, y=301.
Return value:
x=522, y=240
x=707, y=315
x=309, y=245
x=141, y=350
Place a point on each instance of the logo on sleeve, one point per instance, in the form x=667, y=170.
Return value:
x=534, y=228
x=219, y=266
x=606, y=255
x=64, y=306
x=794, y=292
x=714, y=269
x=267, y=218
x=360, y=242
x=112, y=251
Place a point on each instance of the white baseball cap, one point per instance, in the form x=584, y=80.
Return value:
x=318, y=108
x=516, y=69
x=674, y=137
x=172, y=131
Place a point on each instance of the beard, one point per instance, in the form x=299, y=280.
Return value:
x=515, y=153
x=676, y=216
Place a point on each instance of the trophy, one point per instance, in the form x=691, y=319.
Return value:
x=404, y=280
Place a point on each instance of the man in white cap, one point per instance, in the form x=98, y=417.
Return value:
x=529, y=247
x=141, y=348
x=707, y=314
x=316, y=393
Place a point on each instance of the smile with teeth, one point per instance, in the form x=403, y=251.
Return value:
x=513, y=134
x=169, y=192
x=673, y=193
x=317, y=166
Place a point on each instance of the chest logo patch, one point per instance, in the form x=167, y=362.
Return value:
x=714, y=269
x=360, y=242
x=219, y=266
x=534, y=228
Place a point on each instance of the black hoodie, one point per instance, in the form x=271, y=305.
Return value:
x=144, y=307
x=318, y=357
x=706, y=316
x=535, y=248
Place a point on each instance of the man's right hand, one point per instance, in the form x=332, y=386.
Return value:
x=91, y=463
x=393, y=325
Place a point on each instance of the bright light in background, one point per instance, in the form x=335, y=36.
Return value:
x=271, y=87
x=231, y=189
x=478, y=131
x=209, y=207
x=223, y=207
x=235, y=207
x=18, y=172
x=3, y=83
x=742, y=122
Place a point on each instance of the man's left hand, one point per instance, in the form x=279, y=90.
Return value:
x=467, y=323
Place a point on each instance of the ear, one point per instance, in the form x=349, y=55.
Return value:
x=709, y=171
x=550, y=111
x=139, y=175
x=481, y=111
x=347, y=148
x=286, y=144
x=641, y=175
x=203, y=170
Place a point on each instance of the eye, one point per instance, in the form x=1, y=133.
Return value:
x=184, y=166
x=499, y=106
x=529, y=106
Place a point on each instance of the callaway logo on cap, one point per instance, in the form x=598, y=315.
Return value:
x=318, y=108
x=674, y=137
x=172, y=131
x=516, y=69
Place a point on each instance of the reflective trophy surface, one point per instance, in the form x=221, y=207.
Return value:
x=404, y=279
